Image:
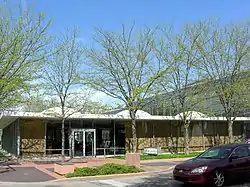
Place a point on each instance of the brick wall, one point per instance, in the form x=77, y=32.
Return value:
x=32, y=136
x=196, y=143
x=168, y=133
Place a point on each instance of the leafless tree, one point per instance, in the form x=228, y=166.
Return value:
x=62, y=77
x=124, y=67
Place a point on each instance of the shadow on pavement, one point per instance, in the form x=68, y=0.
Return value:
x=159, y=180
x=166, y=180
x=161, y=164
x=24, y=174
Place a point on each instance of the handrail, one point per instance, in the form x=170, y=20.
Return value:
x=110, y=148
x=105, y=150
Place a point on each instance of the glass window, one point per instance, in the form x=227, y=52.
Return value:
x=106, y=134
x=208, y=128
x=248, y=149
x=216, y=153
x=241, y=152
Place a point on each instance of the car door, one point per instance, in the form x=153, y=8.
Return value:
x=240, y=164
x=248, y=160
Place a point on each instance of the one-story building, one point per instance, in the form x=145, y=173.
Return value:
x=39, y=134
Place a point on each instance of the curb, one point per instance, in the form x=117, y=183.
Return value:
x=98, y=177
x=166, y=160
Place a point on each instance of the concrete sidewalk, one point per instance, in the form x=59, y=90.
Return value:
x=91, y=182
x=31, y=172
x=161, y=164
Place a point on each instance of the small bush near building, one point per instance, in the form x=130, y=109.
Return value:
x=165, y=156
x=106, y=169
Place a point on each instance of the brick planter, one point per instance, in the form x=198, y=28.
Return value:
x=133, y=159
x=63, y=168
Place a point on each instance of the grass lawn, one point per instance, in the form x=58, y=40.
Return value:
x=106, y=169
x=164, y=156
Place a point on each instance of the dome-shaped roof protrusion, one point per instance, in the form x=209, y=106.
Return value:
x=192, y=115
x=57, y=111
x=139, y=114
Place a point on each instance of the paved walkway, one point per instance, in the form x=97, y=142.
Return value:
x=31, y=172
x=163, y=179
x=24, y=174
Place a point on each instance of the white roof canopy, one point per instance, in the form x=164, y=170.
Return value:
x=54, y=113
x=191, y=115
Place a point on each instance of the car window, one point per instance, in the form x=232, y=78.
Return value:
x=212, y=153
x=248, y=146
x=216, y=153
x=241, y=152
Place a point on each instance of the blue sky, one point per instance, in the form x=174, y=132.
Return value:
x=110, y=14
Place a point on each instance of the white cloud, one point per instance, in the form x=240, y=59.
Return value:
x=104, y=98
x=89, y=93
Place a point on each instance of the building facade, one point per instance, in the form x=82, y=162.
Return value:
x=39, y=134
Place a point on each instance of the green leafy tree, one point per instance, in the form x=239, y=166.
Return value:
x=225, y=54
x=23, y=42
x=181, y=84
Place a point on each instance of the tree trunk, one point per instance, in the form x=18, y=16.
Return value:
x=230, y=131
x=63, y=139
x=134, y=137
x=186, y=137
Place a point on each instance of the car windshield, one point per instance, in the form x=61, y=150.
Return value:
x=216, y=153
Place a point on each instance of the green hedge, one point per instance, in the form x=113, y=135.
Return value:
x=106, y=169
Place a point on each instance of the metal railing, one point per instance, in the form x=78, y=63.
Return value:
x=58, y=152
x=111, y=151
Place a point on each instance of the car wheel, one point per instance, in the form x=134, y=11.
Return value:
x=218, y=178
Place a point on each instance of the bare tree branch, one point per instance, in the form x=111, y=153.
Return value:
x=125, y=68
x=224, y=57
x=61, y=76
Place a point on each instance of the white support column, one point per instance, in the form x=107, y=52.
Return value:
x=18, y=137
x=73, y=143
x=114, y=139
x=45, y=137
x=153, y=134
x=94, y=140
x=93, y=124
x=84, y=143
x=70, y=140
x=1, y=138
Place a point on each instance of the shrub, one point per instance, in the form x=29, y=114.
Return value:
x=106, y=169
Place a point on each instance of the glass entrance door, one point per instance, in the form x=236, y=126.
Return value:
x=78, y=143
x=90, y=142
x=83, y=142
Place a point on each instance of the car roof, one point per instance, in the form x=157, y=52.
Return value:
x=232, y=146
